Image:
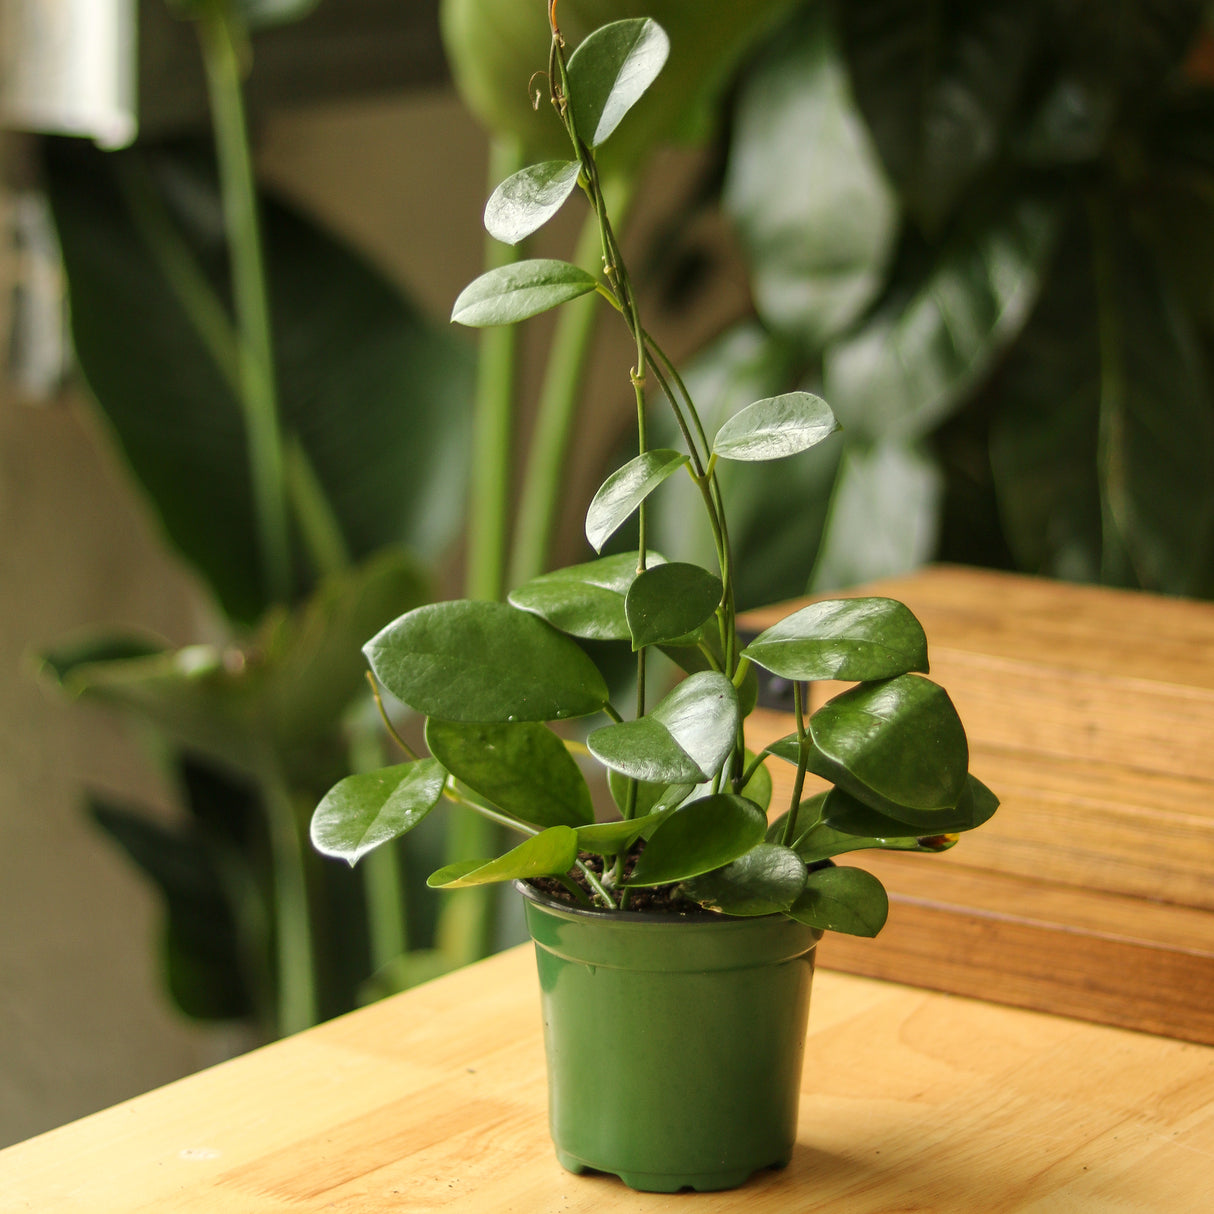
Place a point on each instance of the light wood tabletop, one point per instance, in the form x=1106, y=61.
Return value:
x=435, y=1100
x=1092, y=713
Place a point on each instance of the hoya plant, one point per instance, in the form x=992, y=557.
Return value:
x=499, y=683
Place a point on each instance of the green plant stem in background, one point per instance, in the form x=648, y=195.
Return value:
x=466, y=921
x=297, y=990
x=258, y=395
x=493, y=423
x=559, y=399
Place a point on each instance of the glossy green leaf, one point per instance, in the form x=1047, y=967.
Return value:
x=786, y=748
x=370, y=808
x=813, y=208
x=644, y=750
x=775, y=428
x=684, y=739
x=548, y=854
x=650, y=798
x=839, y=899
x=480, y=661
x=522, y=289
x=850, y=639
x=610, y=71
x=611, y=838
x=526, y=200
x=523, y=768
x=938, y=89
x=625, y=489
x=701, y=713
x=767, y=879
x=699, y=837
x=884, y=517
x=901, y=372
x=843, y=812
x=585, y=600
x=670, y=601
x=822, y=842
x=896, y=745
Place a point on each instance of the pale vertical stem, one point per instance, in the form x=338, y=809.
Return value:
x=258, y=394
x=493, y=422
x=560, y=396
x=296, y=976
x=466, y=921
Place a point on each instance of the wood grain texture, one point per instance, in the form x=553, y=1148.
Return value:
x=1090, y=893
x=435, y=1100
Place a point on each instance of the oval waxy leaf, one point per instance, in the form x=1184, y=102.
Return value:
x=775, y=428
x=625, y=489
x=551, y=852
x=474, y=661
x=644, y=750
x=787, y=748
x=609, y=72
x=526, y=200
x=369, y=808
x=845, y=813
x=610, y=838
x=839, y=899
x=699, y=837
x=701, y=713
x=851, y=639
x=684, y=739
x=669, y=601
x=821, y=842
x=585, y=600
x=517, y=291
x=897, y=745
x=521, y=767
x=767, y=879
x=650, y=798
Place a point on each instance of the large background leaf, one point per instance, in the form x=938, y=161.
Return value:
x=937, y=83
x=804, y=164
x=373, y=393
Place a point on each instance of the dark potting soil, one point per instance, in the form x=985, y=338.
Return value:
x=662, y=899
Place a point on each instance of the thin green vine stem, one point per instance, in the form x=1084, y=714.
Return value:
x=790, y=822
x=258, y=394
x=560, y=396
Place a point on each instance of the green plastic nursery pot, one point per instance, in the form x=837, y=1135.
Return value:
x=674, y=1043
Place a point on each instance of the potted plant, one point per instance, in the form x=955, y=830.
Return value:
x=675, y=942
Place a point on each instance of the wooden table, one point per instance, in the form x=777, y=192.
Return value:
x=1092, y=713
x=434, y=1100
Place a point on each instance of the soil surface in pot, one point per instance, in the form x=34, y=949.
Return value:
x=661, y=899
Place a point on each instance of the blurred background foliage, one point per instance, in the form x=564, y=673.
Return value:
x=984, y=233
